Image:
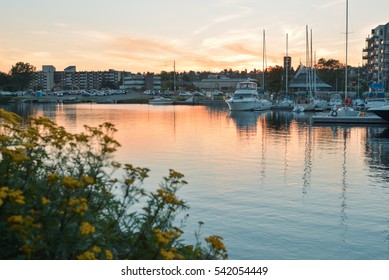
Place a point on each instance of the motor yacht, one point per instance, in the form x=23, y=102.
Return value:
x=246, y=98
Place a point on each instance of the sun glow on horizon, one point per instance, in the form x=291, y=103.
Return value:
x=216, y=35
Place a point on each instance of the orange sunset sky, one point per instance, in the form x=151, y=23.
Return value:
x=202, y=35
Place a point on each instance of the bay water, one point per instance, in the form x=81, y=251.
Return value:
x=273, y=185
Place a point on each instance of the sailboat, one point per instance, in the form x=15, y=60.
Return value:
x=345, y=111
x=287, y=103
x=307, y=70
x=346, y=114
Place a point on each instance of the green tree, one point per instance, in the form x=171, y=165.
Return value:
x=274, y=78
x=331, y=72
x=5, y=81
x=21, y=75
x=62, y=196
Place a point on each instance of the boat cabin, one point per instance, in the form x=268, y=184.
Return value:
x=247, y=85
x=245, y=90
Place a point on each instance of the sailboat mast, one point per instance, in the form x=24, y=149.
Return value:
x=286, y=68
x=306, y=59
x=311, y=68
x=174, y=75
x=346, y=73
x=263, y=62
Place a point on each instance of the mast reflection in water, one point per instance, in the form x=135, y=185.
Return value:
x=270, y=183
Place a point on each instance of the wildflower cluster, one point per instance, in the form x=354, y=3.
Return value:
x=95, y=253
x=60, y=199
x=78, y=205
x=15, y=196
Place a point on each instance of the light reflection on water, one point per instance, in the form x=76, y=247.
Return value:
x=270, y=183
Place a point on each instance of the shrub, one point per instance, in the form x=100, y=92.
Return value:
x=61, y=198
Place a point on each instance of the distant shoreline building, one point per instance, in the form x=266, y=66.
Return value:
x=70, y=79
x=305, y=81
x=218, y=84
x=149, y=81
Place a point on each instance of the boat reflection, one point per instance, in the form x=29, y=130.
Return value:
x=246, y=121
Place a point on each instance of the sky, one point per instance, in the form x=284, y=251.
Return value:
x=200, y=35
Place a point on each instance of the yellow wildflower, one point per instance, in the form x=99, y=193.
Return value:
x=15, y=219
x=79, y=205
x=27, y=250
x=10, y=117
x=174, y=174
x=96, y=249
x=45, y=201
x=51, y=178
x=71, y=183
x=108, y=255
x=171, y=254
x=216, y=242
x=88, y=180
x=87, y=255
x=16, y=154
x=164, y=237
x=16, y=196
x=86, y=228
x=4, y=192
x=167, y=255
x=168, y=197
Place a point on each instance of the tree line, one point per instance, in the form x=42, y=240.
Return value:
x=18, y=78
x=330, y=71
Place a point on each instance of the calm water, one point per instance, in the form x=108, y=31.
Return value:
x=274, y=186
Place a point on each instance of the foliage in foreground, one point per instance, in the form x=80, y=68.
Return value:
x=59, y=199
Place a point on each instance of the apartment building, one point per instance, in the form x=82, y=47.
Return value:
x=376, y=58
x=69, y=79
x=148, y=81
x=44, y=79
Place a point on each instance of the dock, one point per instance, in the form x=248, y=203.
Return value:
x=367, y=119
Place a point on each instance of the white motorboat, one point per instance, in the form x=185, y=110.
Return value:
x=375, y=102
x=161, y=101
x=246, y=98
x=359, y=104
x=298, y=109
x=335, y=100
x=344, y=112
x=285, y=104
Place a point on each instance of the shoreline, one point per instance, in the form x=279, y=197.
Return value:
x=128, y=98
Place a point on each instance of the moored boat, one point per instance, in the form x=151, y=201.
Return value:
x=382, y=112
x=161, y=101
x=376, y=102
x=246, y=98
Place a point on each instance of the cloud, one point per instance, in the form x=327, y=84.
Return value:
x=331, y=4
x=238, y=13
x=61, y=24
x=155, y=46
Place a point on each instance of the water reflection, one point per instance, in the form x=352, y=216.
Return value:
x=245, y=121
x=323, y=189
x=307, y=160
x=343, y=197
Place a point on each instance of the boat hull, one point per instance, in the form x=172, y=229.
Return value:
x=161, y=101
x=247, y=105
x=381, y=112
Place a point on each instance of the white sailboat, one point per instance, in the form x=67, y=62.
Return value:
x=310, y=106
x=345, y=114
x=346, y=110
x=287, y=103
